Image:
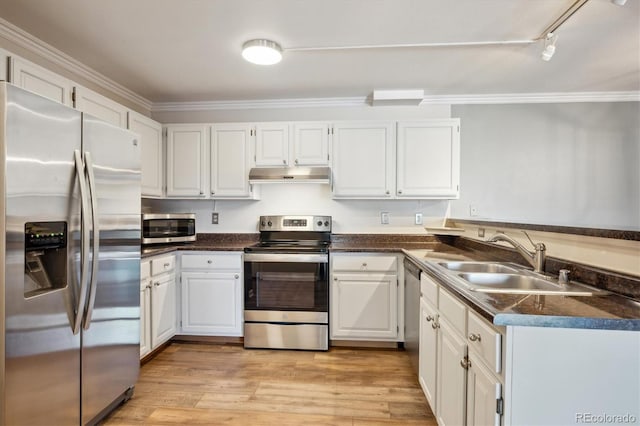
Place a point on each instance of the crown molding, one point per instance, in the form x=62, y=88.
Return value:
x=23, y=39
x=260, y=104
x=506, y=98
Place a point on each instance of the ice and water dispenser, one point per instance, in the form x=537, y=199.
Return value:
x=45, y=257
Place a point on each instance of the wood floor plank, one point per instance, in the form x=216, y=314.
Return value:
x=221, y=384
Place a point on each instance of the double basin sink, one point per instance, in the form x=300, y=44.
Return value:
x=510, y=278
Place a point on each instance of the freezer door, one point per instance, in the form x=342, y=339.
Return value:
x=111, y=331
x=39, y=277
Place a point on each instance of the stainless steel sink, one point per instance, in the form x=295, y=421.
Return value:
x=489, y=267
x=522, y=283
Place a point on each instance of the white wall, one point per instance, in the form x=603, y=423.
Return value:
x=349, y=216
x=573, y=164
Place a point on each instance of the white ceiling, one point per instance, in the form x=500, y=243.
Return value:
x=189, y=50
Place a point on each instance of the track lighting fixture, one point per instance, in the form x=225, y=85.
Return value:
x=549, y=47
x=619, y=2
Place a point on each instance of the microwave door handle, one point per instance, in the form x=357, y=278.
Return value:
x=84, y=244
x=96, y=240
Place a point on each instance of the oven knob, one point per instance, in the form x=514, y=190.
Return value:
x=326, y=223
x=263, y=223
x=269, y=223
x=319, y=223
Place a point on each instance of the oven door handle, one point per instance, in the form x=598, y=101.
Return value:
x=286, y=258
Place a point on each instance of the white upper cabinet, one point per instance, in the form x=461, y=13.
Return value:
x=311, y=144
x=152, y=154
x=41, y=81
x=231, y=146
x=186, y=160
x=428, y=164
x=4, y=65
x=363, y=160
x=272, y=144
x=99, y=106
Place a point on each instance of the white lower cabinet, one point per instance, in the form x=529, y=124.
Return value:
x=427, y=367
x=484, y=394
x=451, y=383
x=211, y=293
x=158, y=320
x=460, y=361
x=364, y=302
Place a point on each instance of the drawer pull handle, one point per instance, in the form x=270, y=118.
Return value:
x=236, y=276
x=435, y=325
x=166, y=265
x=465, y=363
x=156, y=284
x=148, y=286
x=364, y=264
x=429, y=318
x=474, y=337
x=209, y=261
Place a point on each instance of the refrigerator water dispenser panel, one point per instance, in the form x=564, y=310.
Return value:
x=45, y=257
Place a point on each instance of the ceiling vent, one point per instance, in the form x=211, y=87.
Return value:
x=397, y=97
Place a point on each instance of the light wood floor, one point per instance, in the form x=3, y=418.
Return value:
x=228, y=385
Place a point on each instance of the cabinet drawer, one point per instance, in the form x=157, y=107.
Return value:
x=145, y=269
x=163, y=264
x=212, y=261
x=428, y=289
x=453, y=310
x=486, y=341
x=365, y=263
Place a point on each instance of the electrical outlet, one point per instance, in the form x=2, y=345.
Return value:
x=481, y=232
x=473, y=210
x=418, y=219
x=214, y=218
x=384, y=218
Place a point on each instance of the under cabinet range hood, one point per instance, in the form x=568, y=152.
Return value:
x=290, y=175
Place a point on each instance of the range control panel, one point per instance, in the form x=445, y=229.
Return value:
x=295, y=223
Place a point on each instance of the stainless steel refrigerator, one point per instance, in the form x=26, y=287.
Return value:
x=69, y=262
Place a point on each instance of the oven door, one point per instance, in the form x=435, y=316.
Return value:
x=286, y=282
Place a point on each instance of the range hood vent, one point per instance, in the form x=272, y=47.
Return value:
x=290, y=175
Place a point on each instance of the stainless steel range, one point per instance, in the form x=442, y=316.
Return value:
x=286, y=284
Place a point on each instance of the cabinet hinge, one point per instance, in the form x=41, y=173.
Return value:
x=397, y=329
x=180, y=279
x=332, y=130
x=73, y=97
x=458, y=129
x=499, y=406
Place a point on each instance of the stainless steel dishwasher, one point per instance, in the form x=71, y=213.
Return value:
x=412, y=311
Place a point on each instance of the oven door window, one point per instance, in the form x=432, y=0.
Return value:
x=286, y=286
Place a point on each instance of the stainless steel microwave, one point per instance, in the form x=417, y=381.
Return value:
x=162, y=228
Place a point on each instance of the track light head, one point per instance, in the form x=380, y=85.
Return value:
x=549, y=47
x=619, y=2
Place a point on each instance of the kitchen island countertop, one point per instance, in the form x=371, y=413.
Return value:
x=612, y=311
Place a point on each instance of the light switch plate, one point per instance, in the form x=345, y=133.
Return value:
x=214, y=218
x=418, y=220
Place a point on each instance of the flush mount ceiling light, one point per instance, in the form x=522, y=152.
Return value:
x=619, y=2
x=262, y=52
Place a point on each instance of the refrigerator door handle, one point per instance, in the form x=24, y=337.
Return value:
x=96, y=241
x=84, y=244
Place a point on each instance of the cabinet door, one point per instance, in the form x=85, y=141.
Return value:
x=451, y=376
x=364, y=306
x=145, y=317
x=311, y=144
x=484, y=392
x=427, y=374
x=428, y=164
x=41, y=81
x=212, y=303
x=152, y=155
x=186, y=160
x=363, y=160
x=4, y=65
x=163, y=309
x=230, y=160
x=99, y=106
x=272, y=144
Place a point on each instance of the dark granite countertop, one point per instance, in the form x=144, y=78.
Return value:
x=205, y=242
x=612, y=312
